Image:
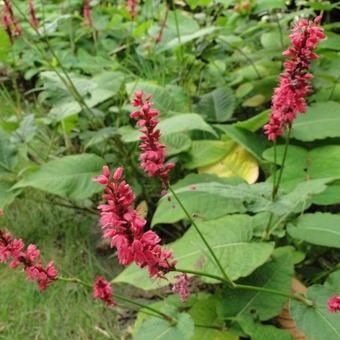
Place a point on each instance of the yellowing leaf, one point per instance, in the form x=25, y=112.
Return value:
x=254, y=101
x=238, y=162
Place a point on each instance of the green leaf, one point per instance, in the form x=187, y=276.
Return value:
x=8, y=155
x=251, y=142
x=254, y=101
x=259, y=331
x=272, y=40
x=316, y=322
x=176, y=143
x=276, y=274
x=203, y=313
x=230, y=237
x=5, y=45
x=167, y=98
x=7, y=196
x=218, y=105
x=303, y=165
x=160, y=329
x=254, y=123
x=183, y=122
x=100, y=136
x=319, y=228
x=186, y=38
x=322, y=120
x=70, y=177
x=25, y=131
x=206, y=152
x=329, y=196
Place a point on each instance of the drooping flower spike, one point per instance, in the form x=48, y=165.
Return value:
x=122, y=224
x=334, y=304
x=13, y=251
x=289, y=97
x=153, y=151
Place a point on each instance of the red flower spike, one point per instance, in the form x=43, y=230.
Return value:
x=153, y=152
x=132, y=6
x=289, y=97
x=334, y=304
x=12, y=251
x=122, y=224
x=34, y=19
x=102, y=290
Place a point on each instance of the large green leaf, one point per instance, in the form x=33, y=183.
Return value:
x=176, y=143
x=322, y=120
x=230, y=237
x=206, y=152
x=204, y=313
x=160, y=329
x=320, y=228
x=252, y=143
x=276, y=274
x=316, y=322
x=183, y=122
x=218, y=105
x=69, y=177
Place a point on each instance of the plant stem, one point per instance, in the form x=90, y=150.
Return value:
x=284, y=158
x=275, y=292
x=218, y=263
x=249, y=287
x=120, y=297
x=194, y=272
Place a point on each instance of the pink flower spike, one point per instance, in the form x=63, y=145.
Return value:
x=289, y=98
x=102, y=290
x=152, y=157
x=334, y=304
x=106, y=171
x=181, y=286
x=121, y=223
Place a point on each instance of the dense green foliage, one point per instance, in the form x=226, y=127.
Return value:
x=65, y=92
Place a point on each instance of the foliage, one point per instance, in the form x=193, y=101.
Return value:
x=211, y=67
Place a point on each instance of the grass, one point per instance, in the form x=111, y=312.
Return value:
x=63, y=311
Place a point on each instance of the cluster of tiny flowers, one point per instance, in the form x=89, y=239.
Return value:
x=87, y=13
x=33, y=15
x=102, y=290
x=122, y=224
x=181, y=286
x=334, y=304
x=289, y=97
x=9, y=21
x=153, y=151
x=13, y=251
x=132, y=6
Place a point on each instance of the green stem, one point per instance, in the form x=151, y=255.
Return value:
x=275, y=292
x=249, y=287
x=218, y=263
x=194, y=272
x=284, y=158
x=120, y=297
